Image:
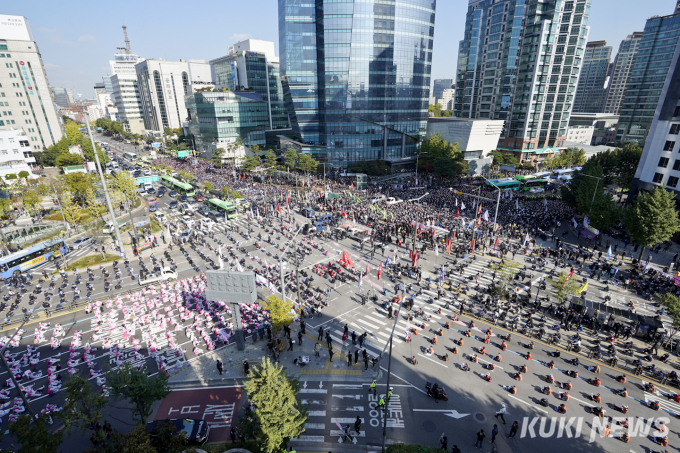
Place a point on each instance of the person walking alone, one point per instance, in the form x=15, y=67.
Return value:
x=494, y=433
x=501, y=412
x=513, y=429
x=480, y=438
x=220, y=366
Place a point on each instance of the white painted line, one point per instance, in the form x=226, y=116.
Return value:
x=315, y=426
x=313, y=391
x=486, y=361
x=351, y=397
x=337, y=432
x=347, y=386
x=377, y=321
x=345, y=420
x=203, y=388
x=387, y=335
x=365, y=323
x=528, y=404
x=431, y=360
x=316, y=413
x=308, y=439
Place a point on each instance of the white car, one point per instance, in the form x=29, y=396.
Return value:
x=82, y=242
x=165, y=274
x=537, y=190
x=162, y=218
x=392, y=200
x=206, y=223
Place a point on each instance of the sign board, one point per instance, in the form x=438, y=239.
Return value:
x=184, y=153
x=155, y=145
x=232, y=287
x=147, y=179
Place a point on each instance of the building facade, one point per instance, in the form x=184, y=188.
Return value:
x=356, y=77
x=591, y=91
x=162, y=87
x=27, y=103
x=623, y=64
x=439, y=86
x=122, y=84
x=62, y=96
x=582, y=135
x=475, y=137
x=446, y=101
x=251, y=65
x=217, y=119
x=651, y=86
x=520, y=62
x=16, y=153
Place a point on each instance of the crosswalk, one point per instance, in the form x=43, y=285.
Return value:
x=331, y=409
x=666, y=404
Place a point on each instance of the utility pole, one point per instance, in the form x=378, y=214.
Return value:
x=106, y=190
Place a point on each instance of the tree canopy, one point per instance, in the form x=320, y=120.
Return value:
x=441, y=157
x=48, y=156
x=129, y=383
x=586, y=193
x=652, y=218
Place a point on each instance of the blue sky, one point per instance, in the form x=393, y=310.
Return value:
x=78, y=38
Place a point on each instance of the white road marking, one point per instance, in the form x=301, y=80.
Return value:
x=431, y=360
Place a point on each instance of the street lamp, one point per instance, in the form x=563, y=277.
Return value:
x=283, y=283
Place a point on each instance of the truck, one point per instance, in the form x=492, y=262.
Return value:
x=108, y=228
x=308, y=212
x=165, y=274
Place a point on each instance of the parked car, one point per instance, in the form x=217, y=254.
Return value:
x=151, y=190
x=161, y=218
x=173, y=204
x=80, y=243
x=183, y=198
x=173, y=193
x=199, y=198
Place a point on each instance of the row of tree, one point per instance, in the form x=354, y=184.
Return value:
x=570, y=157
x=58, y=155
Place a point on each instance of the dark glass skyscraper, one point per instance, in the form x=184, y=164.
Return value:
x=356, y=77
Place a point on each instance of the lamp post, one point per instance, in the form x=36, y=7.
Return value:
x=283, y=283
x=596, y=186
x=104, y=187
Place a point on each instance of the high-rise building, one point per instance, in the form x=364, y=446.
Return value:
x=439, y=86
x=16, y=154
x=591, y=92
x=520, y=62
x=63, y=96
x=356, y=78
x=163, y=86
x=623, y=64
x=122, y=83
x=252, y=65
x=27, y=102
x=650, y=112
x=446, y=100
x=653, y=80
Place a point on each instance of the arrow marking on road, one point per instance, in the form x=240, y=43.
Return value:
x=448, y=412
x=320, y=384
x=304, y=385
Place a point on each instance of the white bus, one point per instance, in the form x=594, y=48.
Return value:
x=542, y=175
x=130, y=156
x=565, y=175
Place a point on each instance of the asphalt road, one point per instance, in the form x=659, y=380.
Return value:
x=412, y=416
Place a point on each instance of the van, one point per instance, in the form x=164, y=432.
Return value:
x=325, y=218
x=377, y=198
x=108, y=229
x=308, y=212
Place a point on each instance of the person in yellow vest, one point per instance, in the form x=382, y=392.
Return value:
x=389, y=393
x=372, y=388
x=381, y=403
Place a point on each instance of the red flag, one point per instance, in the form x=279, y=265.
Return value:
x=454, y=235
x=380, y=271
x=367, y=270
x=346, y=259
x=278, y=208
x=495, y=243
x=479, y=211
x=571, y=273
x=415, y=259
x=457, y=213
x=448, y=244
x=473, y=246
x=479, y=221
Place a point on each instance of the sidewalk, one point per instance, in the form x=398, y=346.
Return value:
x=203, y=370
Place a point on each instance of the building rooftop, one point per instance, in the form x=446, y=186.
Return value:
x=448, y=119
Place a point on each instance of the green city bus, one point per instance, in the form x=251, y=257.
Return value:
x=523, y=178
x=178, y=186
x=223, y=207
x=530, y=184
x=505, y=184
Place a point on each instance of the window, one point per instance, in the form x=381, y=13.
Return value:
x=669, y=145
x=675, y=129
x=677, y=111
x=672, y=181
x=658, y=177
x=676, y=165
x=663, y=162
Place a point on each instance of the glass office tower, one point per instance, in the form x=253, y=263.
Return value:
x=356, y=77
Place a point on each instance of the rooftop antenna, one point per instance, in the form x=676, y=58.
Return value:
x=127, y=40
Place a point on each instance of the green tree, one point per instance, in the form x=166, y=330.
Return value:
x=628, y=159
x=209, y=186
x=69, y=208
x=78, y=183
x=217, y=156
x=186, y=176
x=652, y=218
x=307, y=163
x=586, y=193
x=73, y=134
x=505, y=273
x=67, y=160
x=250, y=163
x=34, y=435
x=446, y=159
x=135, y=386
x=23, y=174
x=83, y=407
x=278, y=415
x=10, y=177
x=92, y=205
x=498, y=157
x=564, y=286
x=225, y=191
x=281, y=313
x=435, y=109
x=290, y=157
x=270, y=160
x=136, y=441
x=5, y=205
x=32, y=200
